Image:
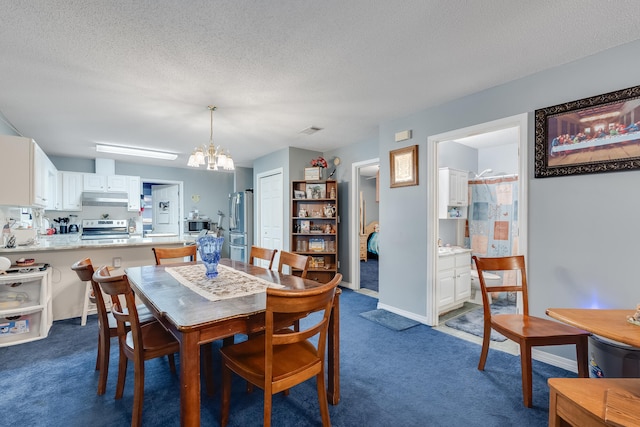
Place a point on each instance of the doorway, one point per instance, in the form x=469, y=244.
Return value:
x=359, y=171
x=519, y=125
x=270, y=210
x=163, y=208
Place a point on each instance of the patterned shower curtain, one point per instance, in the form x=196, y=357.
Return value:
x=492, y=220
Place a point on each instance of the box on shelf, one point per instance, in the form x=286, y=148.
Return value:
x=14, y=327
x=316, y=245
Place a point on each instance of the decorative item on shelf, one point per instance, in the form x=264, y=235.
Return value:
x=216, y=157
x=316, y=245
x=302, y=213
x=315, y=173
x=332, y=193
x=209, y=248
x=316, y=191
x=25, y=262
x=305, y=226
x=11, y=242
x=317, y=262
x=329, y=211
x=5, y=263
x=316, y=229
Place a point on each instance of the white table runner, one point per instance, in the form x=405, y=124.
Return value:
x=230, y=282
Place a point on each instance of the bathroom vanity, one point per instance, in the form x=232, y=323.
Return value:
x=454, y=278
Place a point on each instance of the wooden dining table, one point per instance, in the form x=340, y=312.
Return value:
x=610, y=324
x=596, y=401
x=195, y=320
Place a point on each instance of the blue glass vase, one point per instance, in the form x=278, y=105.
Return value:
x=209, y=248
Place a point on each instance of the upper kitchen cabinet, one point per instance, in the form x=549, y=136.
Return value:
x=53, y=194
x=453, y=193
x=135, y=190
x=106, y=183
x=25, y=173
x=114, y=184
x=72, y=185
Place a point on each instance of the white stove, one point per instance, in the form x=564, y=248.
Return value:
x=96, y=229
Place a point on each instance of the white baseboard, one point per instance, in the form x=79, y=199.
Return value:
x=554, y=360
x=348, y=285
x=408, y=315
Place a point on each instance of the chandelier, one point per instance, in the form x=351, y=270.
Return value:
x=213, y=156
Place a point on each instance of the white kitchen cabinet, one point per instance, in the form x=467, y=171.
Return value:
x=105, y=183
x=25, y=173
x=453, y=193
x=117, y=183
x=52, y=198
x=454, y=280
x=25, y=307
x=72, y=187
x=94, y=182
x=134, y=189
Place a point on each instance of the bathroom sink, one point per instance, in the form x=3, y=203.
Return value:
x=451, y=250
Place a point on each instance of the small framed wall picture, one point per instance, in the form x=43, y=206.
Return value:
x=404, y=166
x=311, y=174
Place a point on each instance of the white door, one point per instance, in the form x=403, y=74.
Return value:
x=166, y=209
x=270, y=210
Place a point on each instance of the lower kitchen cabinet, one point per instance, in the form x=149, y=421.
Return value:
x=454, y=280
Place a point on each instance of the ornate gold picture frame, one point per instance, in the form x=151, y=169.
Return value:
x=591, y=135
x=404, y=166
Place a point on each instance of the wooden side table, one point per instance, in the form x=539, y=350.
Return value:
x=586, y=402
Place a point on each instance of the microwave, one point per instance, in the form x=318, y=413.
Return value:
x=196, y=225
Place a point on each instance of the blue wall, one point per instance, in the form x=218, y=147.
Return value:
x=582, y=229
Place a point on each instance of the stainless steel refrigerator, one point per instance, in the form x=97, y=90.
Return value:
x=240, y=225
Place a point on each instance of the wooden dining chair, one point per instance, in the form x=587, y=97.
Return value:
x=107, y=327
x=173, y=255
x=140, y=343
x=528, y=331
x=262, y=253
x=294, y=261
x=281, y=358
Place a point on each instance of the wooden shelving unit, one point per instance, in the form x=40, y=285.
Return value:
x=314, y=226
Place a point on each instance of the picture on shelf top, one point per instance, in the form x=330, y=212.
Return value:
x=316, y=191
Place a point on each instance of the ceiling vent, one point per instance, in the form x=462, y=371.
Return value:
x=310, y=130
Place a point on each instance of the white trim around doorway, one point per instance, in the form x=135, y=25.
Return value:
x=521, y=122
x=180, y=185
x=354, y=237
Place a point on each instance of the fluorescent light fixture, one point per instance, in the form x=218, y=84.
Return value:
x=128, y=151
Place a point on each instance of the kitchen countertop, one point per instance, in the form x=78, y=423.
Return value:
x=73, y=241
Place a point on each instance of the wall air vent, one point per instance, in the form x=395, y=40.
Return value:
x=310, y=130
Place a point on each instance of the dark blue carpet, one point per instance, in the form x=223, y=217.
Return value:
x=369, y=274
x=416, y=377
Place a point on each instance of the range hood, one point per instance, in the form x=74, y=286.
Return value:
x=90, y=198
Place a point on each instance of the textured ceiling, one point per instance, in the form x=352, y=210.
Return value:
x=141, y=73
